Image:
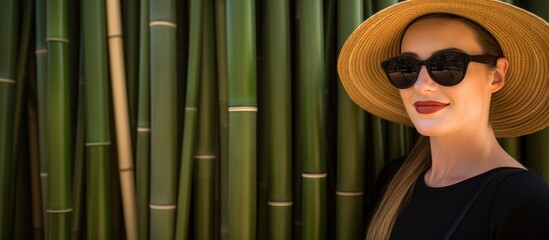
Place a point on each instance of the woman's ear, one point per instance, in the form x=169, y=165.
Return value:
x=499, y=73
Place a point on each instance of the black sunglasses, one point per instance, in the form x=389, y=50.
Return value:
x=446, y=69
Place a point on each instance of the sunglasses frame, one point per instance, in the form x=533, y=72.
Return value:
x=485, y=58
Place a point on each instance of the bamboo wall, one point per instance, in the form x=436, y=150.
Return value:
x=197, y=119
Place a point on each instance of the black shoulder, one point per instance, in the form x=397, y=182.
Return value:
x=521, y=208
x=524, y=186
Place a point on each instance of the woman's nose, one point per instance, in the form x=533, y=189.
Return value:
x=424, y=81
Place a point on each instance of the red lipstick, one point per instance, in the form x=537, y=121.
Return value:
x=428, y=107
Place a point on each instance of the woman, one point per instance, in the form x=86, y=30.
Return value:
x=463, y=72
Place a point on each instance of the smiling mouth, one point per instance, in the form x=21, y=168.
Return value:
x=428, y=107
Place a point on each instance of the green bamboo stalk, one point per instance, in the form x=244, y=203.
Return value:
x=205, y=150
x=21, y=210
x=312, y=109
x=537, y=153
x=98, y=142
x=396, y=140
x=330, y=87
x=381, y=4
x=262, y=158
x=276, y=118
x=36, y=196
x=511, y=146
x=368, y=9
x=131, y=27
x=22, y=66
x=9, y=11
x=143, y=144
x=350, y=140
x=183, y=21
x=223, y=180
x=41, y=73
x=330, y=57
x=189, y=128
x=262, y=177
x=73, y=8
x=122, y=118
x=241, y=60
x=32, y=135
x=117, y=221
x=377, y=143
x=32, y=128
x=262, y=161
x=57, y=121
x=203, y=195
x=297, y=189
x=164, y=149
x=79, y=186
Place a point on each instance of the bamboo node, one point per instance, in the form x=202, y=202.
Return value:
x=243, y=109
x=190, y=109
x=142, y=129
x=314, y=175
x=41, y=51
x=162, y=207
x=125, y=169
x=280, y=204
x=97, y=144
x=163, y=23
x=43, y=174
x=204, y=157
x=57, y=40
x=59, y=211
x=5, y=80
x=349, y=194
x=113, y=35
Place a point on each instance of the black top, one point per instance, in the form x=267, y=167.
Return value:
x=513, y=205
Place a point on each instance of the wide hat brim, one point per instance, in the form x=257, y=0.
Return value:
x=521, y=107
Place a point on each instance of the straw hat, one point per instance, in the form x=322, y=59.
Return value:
x=520, y=108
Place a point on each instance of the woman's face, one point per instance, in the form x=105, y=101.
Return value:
x=437, y=110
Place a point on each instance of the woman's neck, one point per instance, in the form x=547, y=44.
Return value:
x=463, y=155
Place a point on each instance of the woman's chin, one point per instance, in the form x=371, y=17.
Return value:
x=428, y=132
x=430, y=128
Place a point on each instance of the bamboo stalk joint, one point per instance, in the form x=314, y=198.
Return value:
x=314, y=175
x=349, y=194
x=5, y=80
x=97, y=144
x=59, y=211
x=162, y=207
x=280, y=204
x=243, y=109
x=163, y=23
x=142, y=129
x=57, y=40
x=115, y=35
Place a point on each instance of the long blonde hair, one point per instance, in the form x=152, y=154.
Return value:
x=399, y=189
x=419, y=160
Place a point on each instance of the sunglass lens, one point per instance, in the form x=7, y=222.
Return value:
x=401, y=71
x=448, y=69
